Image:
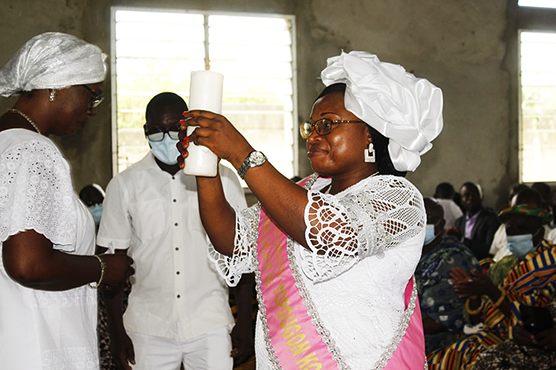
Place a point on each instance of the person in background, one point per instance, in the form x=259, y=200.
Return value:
x=48, y=313
x=335, y=254
x=552, y=205
x=178, y=310
x=444, y=195
x=442, y=307
x=479, y=224
x=499, y=247
x=525, y=278
x=93, y=196
x=524, y=350
x=544, y=190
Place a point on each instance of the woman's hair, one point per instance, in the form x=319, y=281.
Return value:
x=380, y=142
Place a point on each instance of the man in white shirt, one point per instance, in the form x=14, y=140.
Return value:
x=444, y=195
x=178, y=311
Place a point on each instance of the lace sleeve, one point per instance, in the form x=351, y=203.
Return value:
x=36, y=193
x=368, y=219
x=243, y=260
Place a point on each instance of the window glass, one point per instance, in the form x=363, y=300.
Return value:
x=538, y=106
x=156, y=51
x=538, y=3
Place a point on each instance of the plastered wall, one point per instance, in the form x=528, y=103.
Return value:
x=464, y=47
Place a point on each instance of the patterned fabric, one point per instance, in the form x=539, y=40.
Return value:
x=531, y=282
x=541, y=213
x=373, y=228
x=363, y=224
x=498, y=271
x=512, y=356
x=438, y=298
x=32, y=173
x=39, y=329
x=105, y=356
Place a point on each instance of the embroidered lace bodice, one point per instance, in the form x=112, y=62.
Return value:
x=364, y=245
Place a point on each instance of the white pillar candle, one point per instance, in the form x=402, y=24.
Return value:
x=205, y=93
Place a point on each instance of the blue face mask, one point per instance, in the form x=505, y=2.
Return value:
x=165, y=150
x=520, y=245
x=96, y=211
x=429, y=234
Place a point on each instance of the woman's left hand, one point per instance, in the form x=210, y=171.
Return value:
x=215, y=132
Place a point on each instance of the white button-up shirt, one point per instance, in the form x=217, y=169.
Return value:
x=155, y=216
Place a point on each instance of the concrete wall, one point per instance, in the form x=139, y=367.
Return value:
x=464, y=47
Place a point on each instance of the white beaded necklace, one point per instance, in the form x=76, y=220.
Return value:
x=17, y=111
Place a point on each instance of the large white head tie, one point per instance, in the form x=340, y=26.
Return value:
x=52, y=60
x=405, y=109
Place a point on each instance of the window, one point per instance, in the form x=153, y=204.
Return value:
x=538, y=3
x=538, y=106
x=155, y=51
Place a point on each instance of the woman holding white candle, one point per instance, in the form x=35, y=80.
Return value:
x=334, y=257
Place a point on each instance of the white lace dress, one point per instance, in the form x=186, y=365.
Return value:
x=372, y=234
x=42, y=329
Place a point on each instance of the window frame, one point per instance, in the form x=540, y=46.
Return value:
x=206, y=14
x=527, y=19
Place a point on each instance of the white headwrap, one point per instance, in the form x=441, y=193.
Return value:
x=52, y=60
x=405, y=109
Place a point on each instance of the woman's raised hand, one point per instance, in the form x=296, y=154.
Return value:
x=215, y=132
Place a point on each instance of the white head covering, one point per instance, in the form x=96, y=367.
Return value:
x=405, y=109
x=52, y=60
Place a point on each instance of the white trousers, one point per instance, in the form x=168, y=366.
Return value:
x=210, y=351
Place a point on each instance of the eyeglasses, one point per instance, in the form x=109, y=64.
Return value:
x=158, y=135
x=322, y=126
x=97, y=98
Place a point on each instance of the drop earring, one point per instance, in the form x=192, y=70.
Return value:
x=370, y=154
x=52, y=95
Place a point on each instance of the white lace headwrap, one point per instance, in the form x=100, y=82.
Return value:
x=52, y=60
x=405, y=109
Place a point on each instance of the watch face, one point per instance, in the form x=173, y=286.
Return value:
x=257, y=158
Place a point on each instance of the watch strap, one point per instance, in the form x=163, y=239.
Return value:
x=248, y=163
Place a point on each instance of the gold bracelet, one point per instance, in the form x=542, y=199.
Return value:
x=470, y=310
x=500, y=300
x=102, y=269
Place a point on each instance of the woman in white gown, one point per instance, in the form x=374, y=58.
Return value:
x=334, y=257
x=48, y=314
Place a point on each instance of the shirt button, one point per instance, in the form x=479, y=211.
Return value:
x=173, y=177
x=179, y=296
x=177, y=272
x=175, y=200
x=177, y=249
x=176, y=224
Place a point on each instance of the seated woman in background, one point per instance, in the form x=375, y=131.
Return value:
x=526, y=278
x=524, y=350
x=334, y=257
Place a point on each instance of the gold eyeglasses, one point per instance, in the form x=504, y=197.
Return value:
x=322, y=126
x=96, y=99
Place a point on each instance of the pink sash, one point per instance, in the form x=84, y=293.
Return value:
x=410, y=352
x=293, y=336
x=295, y=339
